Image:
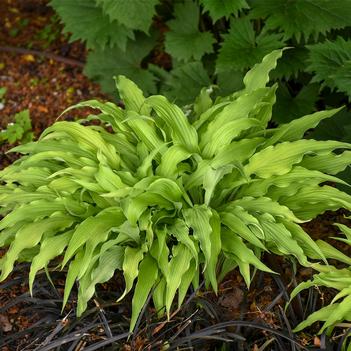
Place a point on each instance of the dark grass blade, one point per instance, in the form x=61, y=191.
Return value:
x=197, y=325
x=101, y=344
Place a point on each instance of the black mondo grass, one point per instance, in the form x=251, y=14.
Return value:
x=197, y=325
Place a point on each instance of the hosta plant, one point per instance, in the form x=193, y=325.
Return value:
x=339, y=309
x=163, y=194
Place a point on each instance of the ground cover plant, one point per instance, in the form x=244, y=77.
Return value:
x=19, y=130
x=103, y=325
x=335, y=278
x=163, y=194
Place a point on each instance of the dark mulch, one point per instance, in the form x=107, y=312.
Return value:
x=41, y=84
x=240, y=319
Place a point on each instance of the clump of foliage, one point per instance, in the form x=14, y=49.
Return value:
x=334, y=278
x=210, y=40
x=163, y=195
x=165, y=46
x=19, y=130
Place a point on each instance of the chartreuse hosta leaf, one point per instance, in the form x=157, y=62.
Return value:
x=340, y=308
x=167, y=199
x=336, y=278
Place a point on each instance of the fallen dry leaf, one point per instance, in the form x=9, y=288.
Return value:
x=28, y=58
x=42, y=109
x=5, y=324
x=317, y=341
x=232, y=299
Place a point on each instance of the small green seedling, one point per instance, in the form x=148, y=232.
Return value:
x=20, y=130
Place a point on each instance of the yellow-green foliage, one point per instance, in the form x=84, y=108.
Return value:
x=167, y=195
